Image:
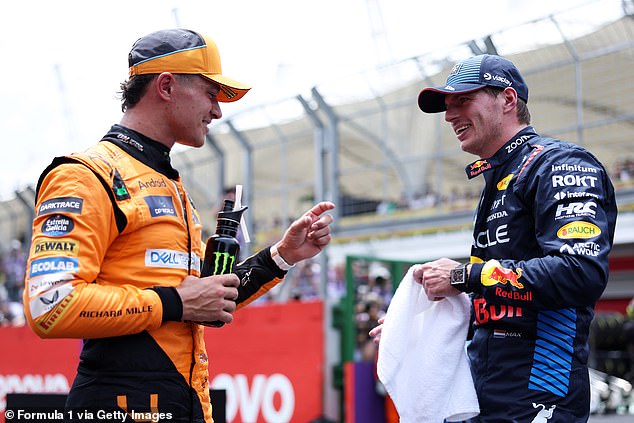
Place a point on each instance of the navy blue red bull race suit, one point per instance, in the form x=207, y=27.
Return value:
x=114, y=233
x=542, y=233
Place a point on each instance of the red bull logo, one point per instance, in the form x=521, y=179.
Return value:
x=494, y=273
x=506, y=275
x=477, y=164
x=478, y=167
x=485, y=313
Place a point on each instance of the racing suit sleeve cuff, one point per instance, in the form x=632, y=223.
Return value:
x=172, y=303
x=474, y=283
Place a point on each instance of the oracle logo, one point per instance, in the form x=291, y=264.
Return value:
x=258, y=398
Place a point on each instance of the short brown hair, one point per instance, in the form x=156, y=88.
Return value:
x=523, y=114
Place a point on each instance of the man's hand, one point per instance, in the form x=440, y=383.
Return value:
x=434, y=276
x=375, y=332
x=308, y=235
x=209, y=299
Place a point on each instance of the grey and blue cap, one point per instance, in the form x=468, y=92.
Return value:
x=473, y=74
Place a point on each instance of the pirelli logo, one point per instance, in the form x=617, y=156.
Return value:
x=53, y=317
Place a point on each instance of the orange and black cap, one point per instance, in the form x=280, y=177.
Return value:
x=182, y=51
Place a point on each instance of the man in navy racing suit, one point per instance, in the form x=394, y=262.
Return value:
x=539, y=261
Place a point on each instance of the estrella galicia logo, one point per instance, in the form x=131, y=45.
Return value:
x=58, y=225
x=160, y=205
x=53, y=265
x=223, y=263
x=61, y=205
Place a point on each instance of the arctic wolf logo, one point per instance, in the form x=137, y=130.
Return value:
x=543, y=414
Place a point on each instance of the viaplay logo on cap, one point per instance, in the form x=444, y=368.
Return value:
x=488, y=77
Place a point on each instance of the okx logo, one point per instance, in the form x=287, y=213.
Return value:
x=223, y=263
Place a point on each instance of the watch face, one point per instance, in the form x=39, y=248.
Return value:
x=457, y=276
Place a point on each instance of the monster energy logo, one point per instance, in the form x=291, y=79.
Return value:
x=223, y=263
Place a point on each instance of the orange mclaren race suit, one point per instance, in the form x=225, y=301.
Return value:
x=114, y=233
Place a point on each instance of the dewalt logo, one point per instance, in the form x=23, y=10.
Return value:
x=223, y=263
x=59, y=247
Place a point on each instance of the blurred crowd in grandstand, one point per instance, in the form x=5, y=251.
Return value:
x=623, y=174
x=12, y=268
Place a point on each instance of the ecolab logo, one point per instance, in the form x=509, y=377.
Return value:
x=54, y=265
x=271, y=395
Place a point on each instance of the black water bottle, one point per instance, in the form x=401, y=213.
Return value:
x=223, y=249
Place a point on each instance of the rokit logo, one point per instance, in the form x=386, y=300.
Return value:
x=574, y=181
x=576, y=210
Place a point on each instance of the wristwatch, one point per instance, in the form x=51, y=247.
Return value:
x=458, y=277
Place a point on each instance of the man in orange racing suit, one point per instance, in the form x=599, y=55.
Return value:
x=116, y=250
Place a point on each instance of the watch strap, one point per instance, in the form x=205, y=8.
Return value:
x=278, y=259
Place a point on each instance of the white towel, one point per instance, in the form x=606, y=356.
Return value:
x=422, y=359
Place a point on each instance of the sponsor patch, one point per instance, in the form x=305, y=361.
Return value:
x=576, y=210
x=49, y=322
x=504, y=183
x=493, y=273
x=514, y=295
x=574, y=181
x=581, y=248
x=160, y=205
x=40, y=284
x=55, y=247
x=152, y=183
x=53, y=265
x=47, y=301
x=564, y=195
x=61, y=205
x=578, y=230
x=574, y=168
x=477, y=167
x=171, y=259
x=58, y=225
x=118, y=187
